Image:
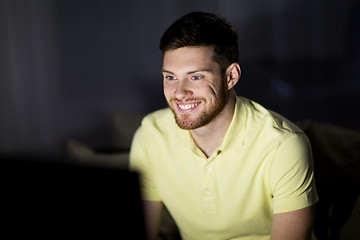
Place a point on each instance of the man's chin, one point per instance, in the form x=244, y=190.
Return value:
x=191, y=124
x=187, y=124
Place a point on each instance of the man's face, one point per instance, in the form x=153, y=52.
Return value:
x=194, y=87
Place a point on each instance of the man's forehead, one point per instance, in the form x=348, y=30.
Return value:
x=189, y=59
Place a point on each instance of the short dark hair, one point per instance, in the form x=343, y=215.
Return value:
x=203, y=29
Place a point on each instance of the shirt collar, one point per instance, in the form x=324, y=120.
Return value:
x=235, y=135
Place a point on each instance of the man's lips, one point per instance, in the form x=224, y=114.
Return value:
x=186, y=107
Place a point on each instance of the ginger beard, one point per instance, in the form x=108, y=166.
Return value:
x=207, y=113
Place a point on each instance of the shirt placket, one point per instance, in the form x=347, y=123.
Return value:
x=209, y=191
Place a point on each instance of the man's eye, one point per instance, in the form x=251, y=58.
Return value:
x=195, y=77
x=170, y=78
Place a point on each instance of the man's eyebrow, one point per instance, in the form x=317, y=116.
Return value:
x=200, y=70
x=190, y=72
x=166, y=71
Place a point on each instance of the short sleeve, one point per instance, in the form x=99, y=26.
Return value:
x=140, y=162
x=292, y=175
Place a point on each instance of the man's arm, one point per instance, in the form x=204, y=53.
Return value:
x=295, y=225
x=152, y=213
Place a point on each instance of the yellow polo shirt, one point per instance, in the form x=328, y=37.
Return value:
x=263, y=166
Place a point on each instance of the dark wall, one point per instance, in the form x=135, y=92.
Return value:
x=67, y=65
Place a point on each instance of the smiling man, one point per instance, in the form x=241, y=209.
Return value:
x=224, y=166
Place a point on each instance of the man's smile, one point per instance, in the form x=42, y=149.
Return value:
x=186, y=107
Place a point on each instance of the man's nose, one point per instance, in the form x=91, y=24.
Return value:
x=182, y=90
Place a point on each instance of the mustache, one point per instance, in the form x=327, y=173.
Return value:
x=173, y=99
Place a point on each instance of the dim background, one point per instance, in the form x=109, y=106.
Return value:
x=67, y=65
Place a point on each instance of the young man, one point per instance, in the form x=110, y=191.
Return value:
x=224, y=166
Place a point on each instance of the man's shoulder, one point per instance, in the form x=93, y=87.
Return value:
x=155, y=126
x=266, y=119
x=160, y=119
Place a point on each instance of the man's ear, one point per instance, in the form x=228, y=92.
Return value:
x=233, y=73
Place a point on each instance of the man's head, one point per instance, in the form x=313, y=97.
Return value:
x=200, y=69
x=203, y=29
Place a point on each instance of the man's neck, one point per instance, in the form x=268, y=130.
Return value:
x=209, y=137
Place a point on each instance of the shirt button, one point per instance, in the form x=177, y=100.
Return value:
x=207, y=168
x=207, y=192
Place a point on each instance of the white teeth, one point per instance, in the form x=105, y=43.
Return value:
x=188, y=106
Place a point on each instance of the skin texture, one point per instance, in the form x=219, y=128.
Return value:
x=295, y=225
x=152, y=214
x=190, y=77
